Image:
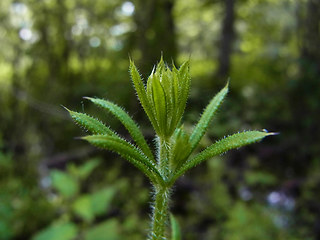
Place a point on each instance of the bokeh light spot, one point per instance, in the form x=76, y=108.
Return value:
x=94, y=42
x=127, y=8
x=25, y=34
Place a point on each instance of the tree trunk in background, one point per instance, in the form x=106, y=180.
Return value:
x=305, y=105
x=310, y=50
x=155, y=32
x=226, y=40
x=305, y=90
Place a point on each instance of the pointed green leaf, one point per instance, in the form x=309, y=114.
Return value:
x=84, y=170
x=151, y=103
x=64, y=183
x=160, y=67
x=159, y=100
x=149, y=86
x=175, y=99
x=179, y=148
x=142, y=95
x=206, y=117
x=231, y=142
x=89, y=123
x=127, y=151
x=58, y=230
x=106, y=230
x=101, y=200
x=167, y=83
x=175, y=228
x=127, y=121
x=89, y=206
x=184, y=81
x=82, y=208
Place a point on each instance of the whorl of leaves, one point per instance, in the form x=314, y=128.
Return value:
x=164, y=99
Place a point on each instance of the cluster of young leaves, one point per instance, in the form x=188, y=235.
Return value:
x=163, y=98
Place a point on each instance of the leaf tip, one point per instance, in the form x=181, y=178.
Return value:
x=131, y=62
x=66, y=108
x=88, y=98
x=228, y=82
x=161, y=58
x=273, y=134
x=270, y=133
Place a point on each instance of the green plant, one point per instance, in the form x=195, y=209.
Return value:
x=79, y=211
x=164, y=99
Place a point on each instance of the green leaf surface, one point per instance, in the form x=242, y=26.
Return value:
x=91, y=205
x=65, y=184
x=127, y=151
x=89, y=123
x=206, y=117
x=142, y=94
x=184, y=81
x=107, y=230
x=159, y=101
x=175, y=99
x=179, y=148
x=175, y=228
x=127, y=121
x=82, y=208
x=231, y=142
x=58, y=231
x=101, y=200
x=86, y=169
x=166, y=83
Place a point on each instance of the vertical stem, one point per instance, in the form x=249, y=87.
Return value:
x=161, y=199
x=163, y=160
x=160, y=213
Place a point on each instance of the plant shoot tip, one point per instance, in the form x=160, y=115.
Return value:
x=65, y=108
x=273, y=133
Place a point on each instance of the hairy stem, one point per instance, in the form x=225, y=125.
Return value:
x=161, y=195
x=163, y=161
x=160, y=213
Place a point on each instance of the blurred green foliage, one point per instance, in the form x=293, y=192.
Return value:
x=85, y=208
x=55, y=52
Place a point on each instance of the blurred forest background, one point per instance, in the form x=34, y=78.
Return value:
x=54, y=52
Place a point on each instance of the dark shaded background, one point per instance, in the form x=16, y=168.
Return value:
x=54, y=52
